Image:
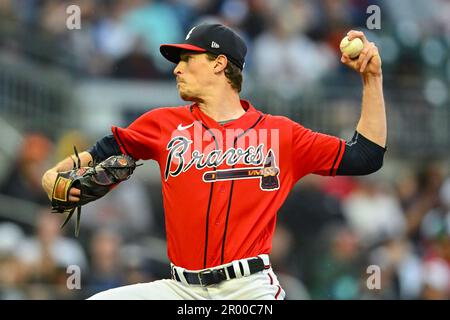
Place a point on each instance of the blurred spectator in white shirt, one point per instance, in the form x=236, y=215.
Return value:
x=374, y=213
x=285, y=58
x=48, y=249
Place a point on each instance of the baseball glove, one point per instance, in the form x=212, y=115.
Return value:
x=93, y=181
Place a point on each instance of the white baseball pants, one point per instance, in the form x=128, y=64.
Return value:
x=262, y=285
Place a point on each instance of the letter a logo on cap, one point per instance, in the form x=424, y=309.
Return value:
x=189, y=34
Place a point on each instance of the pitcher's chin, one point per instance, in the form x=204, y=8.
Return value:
x=186, y=97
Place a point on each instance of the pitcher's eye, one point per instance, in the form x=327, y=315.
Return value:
x=185, y=57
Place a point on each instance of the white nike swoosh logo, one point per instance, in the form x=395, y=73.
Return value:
x=181, y=127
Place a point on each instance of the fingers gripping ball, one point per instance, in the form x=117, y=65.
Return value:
x=352, y=48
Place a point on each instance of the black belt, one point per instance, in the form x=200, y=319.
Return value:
x=214, y=276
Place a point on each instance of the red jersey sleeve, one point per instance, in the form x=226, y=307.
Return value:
x=141, y=139
x=314, y=152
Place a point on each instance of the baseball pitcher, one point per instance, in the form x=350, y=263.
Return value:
x=226, y=168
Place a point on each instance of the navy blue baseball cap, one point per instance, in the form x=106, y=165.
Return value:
x=214, y=38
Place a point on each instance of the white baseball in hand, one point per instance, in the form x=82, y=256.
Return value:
x=352, y=48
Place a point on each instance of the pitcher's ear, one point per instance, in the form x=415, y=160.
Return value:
x=220, y=63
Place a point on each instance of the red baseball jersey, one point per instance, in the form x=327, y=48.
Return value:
x=222, y=185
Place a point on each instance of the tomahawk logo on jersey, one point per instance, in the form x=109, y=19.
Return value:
x=216, y=175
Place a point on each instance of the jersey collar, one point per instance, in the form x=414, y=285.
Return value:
x=247, y=120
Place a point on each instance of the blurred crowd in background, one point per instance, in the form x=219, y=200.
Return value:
x=290, y=41
x=330, y=230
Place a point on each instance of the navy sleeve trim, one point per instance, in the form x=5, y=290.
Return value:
x=104, y=148
x=361, y=156
x=337, y=157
